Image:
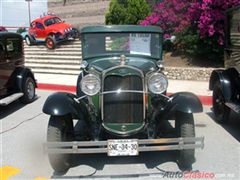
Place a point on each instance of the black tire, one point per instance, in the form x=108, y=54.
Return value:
x=185, y=128
x=51, y=42
x=28, y=41
x=28, y=91
x=60, y=129
x=76, y=33
x=221, y=111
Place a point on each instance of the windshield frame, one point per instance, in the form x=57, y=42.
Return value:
x=107, y=54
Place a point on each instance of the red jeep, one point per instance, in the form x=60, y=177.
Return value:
x=51, y=30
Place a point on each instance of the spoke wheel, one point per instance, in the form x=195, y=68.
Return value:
x=220, y=110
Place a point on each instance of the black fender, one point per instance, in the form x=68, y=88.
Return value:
x=185, y=102
x=61, y=103
x=223, y=78
x=179, y=102
x=18, y=78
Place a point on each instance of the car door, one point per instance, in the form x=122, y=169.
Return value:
x=40, y=32
x=14, y=59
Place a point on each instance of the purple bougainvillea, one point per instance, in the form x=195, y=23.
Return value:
x=206, y=15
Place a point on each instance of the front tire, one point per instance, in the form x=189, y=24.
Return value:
x=221, y=111
x=60, y=129
x=28, y=91
x=76, y=33
x=185, y=128
x=51, y=42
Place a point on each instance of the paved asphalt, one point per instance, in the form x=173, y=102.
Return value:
x=22, y=156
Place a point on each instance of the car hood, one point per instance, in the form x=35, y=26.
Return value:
x=143, y=64
x=60, y=27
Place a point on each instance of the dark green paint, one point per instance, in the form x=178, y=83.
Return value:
x=121, y=28
x=124, y=72
x=142, y=63
x=95, y=100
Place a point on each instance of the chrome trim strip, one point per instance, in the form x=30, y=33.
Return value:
x=122, y=91
x=143, y=84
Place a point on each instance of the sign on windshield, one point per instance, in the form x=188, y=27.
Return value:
x=140, y=44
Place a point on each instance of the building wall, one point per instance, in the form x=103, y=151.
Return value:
x=80, y=13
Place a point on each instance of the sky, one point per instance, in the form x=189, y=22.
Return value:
x=15, y=12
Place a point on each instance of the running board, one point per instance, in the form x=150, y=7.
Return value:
x=9, y=99
x=92, y=147
x=233, y=106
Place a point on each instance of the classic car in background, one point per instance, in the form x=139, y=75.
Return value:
x=226, y=83
x=16, y=81
x=121, y=104
x=50, y=29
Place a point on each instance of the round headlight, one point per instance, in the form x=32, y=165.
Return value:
x=157, y=83
x=90, y=84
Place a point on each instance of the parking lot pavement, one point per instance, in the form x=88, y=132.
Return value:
x=24, y=131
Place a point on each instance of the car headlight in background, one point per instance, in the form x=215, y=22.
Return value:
x=90, y=84
x=157, y=83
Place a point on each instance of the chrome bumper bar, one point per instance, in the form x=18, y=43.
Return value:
x=93, y=147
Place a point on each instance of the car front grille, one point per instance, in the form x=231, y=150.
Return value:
x=123, y=107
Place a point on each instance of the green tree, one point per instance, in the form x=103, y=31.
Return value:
x=20, y=30
x=127, y=11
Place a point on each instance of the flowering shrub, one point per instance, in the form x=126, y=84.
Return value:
x=170, y=15
x=210, y=16
x=175, y=15
x=198, y=24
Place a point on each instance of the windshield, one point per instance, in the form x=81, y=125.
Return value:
x=98, y=44
x=52, y=21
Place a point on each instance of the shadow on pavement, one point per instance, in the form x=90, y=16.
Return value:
x=9, y=109
x=98, y=161
x=232, y=126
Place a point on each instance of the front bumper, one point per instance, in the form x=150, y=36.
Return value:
x=94, y=147
x=66, y=36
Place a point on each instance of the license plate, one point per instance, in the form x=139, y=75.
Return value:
x=123, y=147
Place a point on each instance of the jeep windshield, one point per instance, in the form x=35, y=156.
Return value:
x=110, y=44
x=52, y=21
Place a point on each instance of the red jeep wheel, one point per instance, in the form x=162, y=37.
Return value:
x=51, y=42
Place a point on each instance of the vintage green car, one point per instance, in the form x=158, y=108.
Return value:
x=121, y=104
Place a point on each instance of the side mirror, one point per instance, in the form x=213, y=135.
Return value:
x=171, y=39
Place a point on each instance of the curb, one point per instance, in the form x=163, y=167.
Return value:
x=206, y=100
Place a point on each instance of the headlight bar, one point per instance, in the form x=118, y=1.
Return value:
x=122, y=91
